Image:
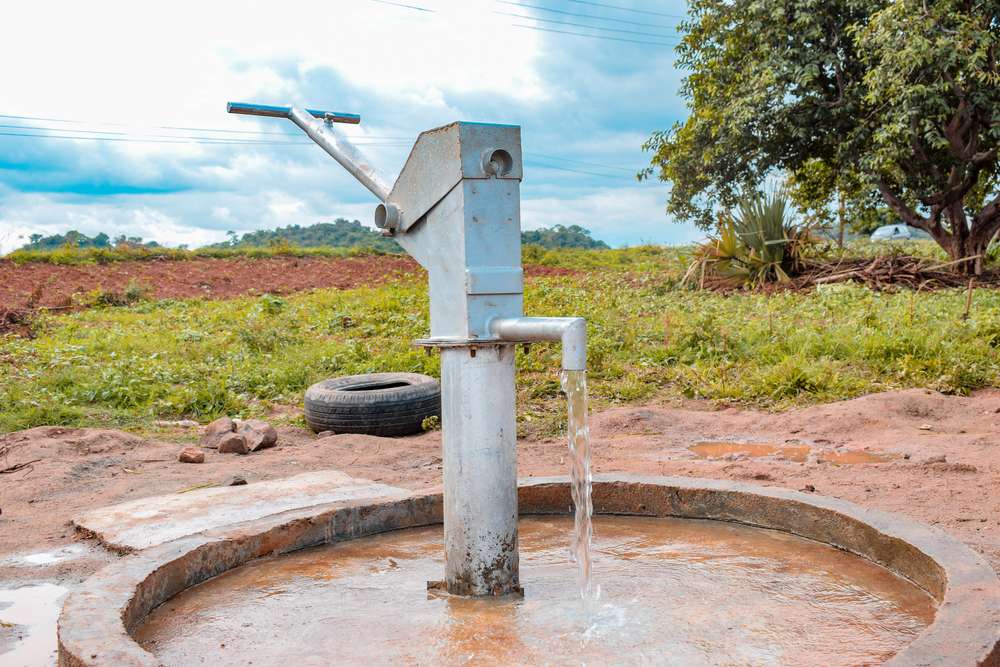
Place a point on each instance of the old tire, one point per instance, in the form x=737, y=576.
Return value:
x=386, y=404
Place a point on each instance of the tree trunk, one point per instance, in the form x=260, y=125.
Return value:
x=840, y=219
x=962, y=243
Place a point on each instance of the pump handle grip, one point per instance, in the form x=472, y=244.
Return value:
x=286, y=112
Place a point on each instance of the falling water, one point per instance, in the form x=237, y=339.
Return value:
x=574, y=383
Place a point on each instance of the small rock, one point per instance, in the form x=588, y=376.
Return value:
x=258, y=434
x=233, y=443
x=323, y=434
x=216, y=431
x=906, y=456
x=191, y=455
x=941, y=458
x=238, y=481
x=925, y=427
x=809, y=488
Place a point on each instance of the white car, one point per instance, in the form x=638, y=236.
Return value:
x=893, y=233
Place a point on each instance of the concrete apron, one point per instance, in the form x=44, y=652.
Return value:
x=97, y=618
x=147, y=522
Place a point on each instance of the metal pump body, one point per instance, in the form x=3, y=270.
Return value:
x=455, y=207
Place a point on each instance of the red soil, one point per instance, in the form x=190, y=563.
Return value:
x=35, y=285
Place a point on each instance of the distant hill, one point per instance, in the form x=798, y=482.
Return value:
x=346, y=233
x=75, y=239
x=340, y=233
x=560, y=236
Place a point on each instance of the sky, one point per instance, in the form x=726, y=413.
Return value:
x=124, y=102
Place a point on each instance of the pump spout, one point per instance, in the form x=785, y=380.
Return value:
x=570, y=331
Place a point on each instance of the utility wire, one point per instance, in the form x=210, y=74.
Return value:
x=404, y=6
x=584, y=25
x=525, y=5
x=581, y=34
x=627, y=9
x=180, y=140
x=167, y=127
x=362, y=140
x=592, y=164
x=240, y=142
x=579, y=171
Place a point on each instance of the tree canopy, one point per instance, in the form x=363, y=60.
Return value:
x=891, y=99
x=340, y=233
x=560, y=236
x=77, y=239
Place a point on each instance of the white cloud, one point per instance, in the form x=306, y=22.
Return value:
x=146, y=65
x=619, y=216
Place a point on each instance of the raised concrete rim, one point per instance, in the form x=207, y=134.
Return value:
x=97, y=618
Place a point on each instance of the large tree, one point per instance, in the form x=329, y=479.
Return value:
x=898, y=99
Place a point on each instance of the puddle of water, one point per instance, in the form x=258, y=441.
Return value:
x=796, y=453
x=718, y=450
x=674, y=591
x=852, y=457
x=43, y=558
x=34, y=611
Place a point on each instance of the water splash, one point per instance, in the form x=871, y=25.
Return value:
x=574, y=384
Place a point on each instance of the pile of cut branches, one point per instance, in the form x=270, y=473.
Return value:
x=890, y=273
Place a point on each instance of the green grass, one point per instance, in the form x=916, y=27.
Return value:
x=126, y=366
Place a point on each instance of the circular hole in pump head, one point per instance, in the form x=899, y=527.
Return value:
x=498, y=163
x=386, y=216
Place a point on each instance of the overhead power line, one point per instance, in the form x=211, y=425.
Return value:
x=405, y=6
x=84, y=134
x=593, y=17
x=165, y=127
x=584, y=25
x=192, y=140
x=581, y=34
x=627, y=9
x=591, y=164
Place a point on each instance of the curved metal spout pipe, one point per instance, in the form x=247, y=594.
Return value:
x=570, y=331
x=343, y=151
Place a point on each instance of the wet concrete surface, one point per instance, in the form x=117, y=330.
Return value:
x=674, y=591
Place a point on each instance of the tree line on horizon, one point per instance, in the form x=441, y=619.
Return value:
x=341, y=233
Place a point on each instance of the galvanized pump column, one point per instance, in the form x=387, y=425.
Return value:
x=456, y=209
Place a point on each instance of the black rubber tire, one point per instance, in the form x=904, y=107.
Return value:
x=385, y=404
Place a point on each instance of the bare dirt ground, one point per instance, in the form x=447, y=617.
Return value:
x=35, y=285
x=941, y=465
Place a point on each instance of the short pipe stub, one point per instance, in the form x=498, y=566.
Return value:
x=387, y=216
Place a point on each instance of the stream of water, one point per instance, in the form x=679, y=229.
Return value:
x=574, y=384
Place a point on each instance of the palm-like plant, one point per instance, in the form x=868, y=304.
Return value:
x=757, y=243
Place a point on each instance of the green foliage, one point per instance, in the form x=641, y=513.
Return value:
x=757, y=243
x=126, y=366
x=340, y=233
x=897, y=99
x=74, y=240
x=561, y=236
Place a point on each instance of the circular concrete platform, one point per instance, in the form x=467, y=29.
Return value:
x=97, y=619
